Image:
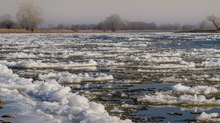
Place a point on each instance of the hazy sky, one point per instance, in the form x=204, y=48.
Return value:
x=93, y=11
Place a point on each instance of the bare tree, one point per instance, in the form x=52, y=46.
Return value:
x=215, y=21
x=189, y=27
x=29, y=16
x=102, y=26
x=204, y=25
x=113, y=23
x=138, y=25
x=6, y=22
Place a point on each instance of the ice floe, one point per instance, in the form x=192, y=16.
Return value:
x=65, y=77
x=40, y=64
x=195, y=90
x=183, y=95
x=185, y=100
x=106, y=62
x=211, y=117
x=21, y=55
x=182, y=65
x=212, y=62
x=51, y=101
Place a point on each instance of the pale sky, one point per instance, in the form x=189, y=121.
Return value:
x=93, y=11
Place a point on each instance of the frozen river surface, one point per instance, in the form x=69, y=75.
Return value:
x=110, y=78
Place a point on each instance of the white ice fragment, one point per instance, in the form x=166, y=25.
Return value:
x=181, y=65
x=50, y=101
x=212, y=62
x=40, y=64
x=181, y=88
x=195, y=90
x=97, y=107
x=164, y=98
x=21, y=55
x=208, y=117
x=159, y=97
x=92, y=62
x=77, y=101
x=106, y=62
x=66, y=77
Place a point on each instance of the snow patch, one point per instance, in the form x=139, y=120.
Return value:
x=184, y=95
x=51, y=101
x=66, y=77
x=213, y=117
x=195, y=90
x=212, y=62
x=40, y=64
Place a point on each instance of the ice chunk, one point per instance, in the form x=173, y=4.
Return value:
x=181, y=94
x=213, y=117
x=106, y=62
x=212, y=62
x=50, y=101
x=66, y=77
x=21, y=55
x=40, y=64
x=182, y=65
x=195, y=89
x=163, y=98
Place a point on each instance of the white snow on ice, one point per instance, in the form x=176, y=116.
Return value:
x=212, y=117
x=51, y=101
x=188, y=96
x=66, y=77
x=40, y=64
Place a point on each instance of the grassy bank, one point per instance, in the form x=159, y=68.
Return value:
x=76, y=31
x=199, y=31
x=100, y=31
x=35, y=31
x=1, y=103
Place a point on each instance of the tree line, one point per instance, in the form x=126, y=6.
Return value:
x=115, y=22
x=29, y=17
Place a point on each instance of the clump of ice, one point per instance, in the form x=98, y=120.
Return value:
x=21, y=55
x=163, y=98
x=167, y=57
x=66, y=77
x=39, y=54
x=5, y=71
x=158, y=70
x=184, y=95
x=86, y=54
x=51, y=101
x=164, y=59
x=212, y=117
x=40, y=64
x=10, y=80
x=184, y=79
x=106, y=62
x=211, y=62
x=174, y=79
x=195, y=89
x=140, y=39
x=159, y=98
x=181, y=65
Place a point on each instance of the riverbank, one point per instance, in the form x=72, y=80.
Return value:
x=77, y=31
x=1, y=103
x=199, y=31
x=35, y=31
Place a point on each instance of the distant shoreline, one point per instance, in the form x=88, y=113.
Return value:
x=199, y=31
x=2, y=31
